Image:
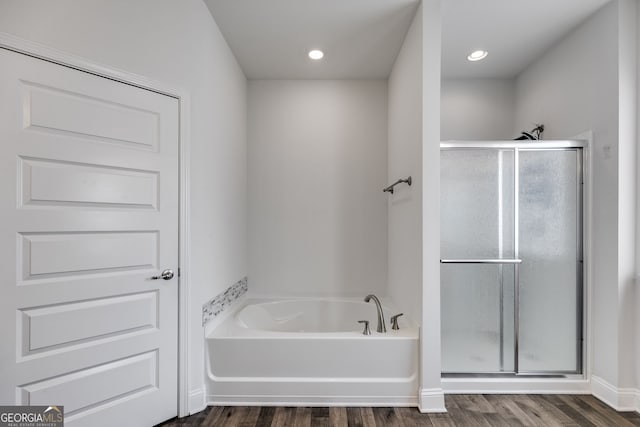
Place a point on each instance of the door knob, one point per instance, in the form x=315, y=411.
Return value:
x=165, y=275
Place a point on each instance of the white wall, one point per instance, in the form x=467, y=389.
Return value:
x=431, y=396
x=414, y=212
x=582, y=84
x=317, y=166
x=405, y=159
x=478, y=109
x=179, y=44
x=637, y=311
x=636, y=321
x=627, y=213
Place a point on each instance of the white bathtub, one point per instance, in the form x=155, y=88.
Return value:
x=311, y=352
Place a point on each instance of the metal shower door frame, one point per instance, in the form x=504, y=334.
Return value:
x=518, y=146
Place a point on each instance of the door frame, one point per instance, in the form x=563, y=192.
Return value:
x=49, y=54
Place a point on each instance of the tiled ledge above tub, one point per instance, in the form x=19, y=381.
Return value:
x=222, y=301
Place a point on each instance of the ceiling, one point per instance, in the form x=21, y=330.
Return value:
x=361, y=38
x=514, y=32
x=271, y=38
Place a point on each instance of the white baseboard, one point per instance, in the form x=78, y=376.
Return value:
x=431, y=400
x=515, y=386
x=620, y=399
x=281, y=400
x=197, y=401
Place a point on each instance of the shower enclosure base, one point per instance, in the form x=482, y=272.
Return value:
x=515, y=384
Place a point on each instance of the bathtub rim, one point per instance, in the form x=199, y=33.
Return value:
x=226, y=326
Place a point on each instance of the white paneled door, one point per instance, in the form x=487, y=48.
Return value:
x=88, y=215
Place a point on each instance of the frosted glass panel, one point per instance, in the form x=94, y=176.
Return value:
x=471, y=317
x=548, y=275
x=508, y=317
x=476, y=203
x=479, y=307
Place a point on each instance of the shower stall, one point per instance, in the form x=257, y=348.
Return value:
x=512, y=257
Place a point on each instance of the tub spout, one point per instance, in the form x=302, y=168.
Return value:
x=381, y=325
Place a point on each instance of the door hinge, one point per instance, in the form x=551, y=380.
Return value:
x=178, y=272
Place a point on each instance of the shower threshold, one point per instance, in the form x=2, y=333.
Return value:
x=513, y=375
x=512, y=383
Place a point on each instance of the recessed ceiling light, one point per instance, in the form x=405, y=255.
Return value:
x=477, y=55
x=316, y=54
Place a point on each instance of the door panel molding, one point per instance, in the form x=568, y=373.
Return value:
x=47, y=53
x=51, y=109
x=61, y=254
x=46, y=182
x=46, y=328
x=101, y=385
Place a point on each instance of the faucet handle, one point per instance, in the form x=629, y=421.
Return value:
x=366, y=331
x=394, y=321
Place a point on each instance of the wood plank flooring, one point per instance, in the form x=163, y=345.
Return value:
x=463, y=410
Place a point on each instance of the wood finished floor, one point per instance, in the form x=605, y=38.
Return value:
x=463, y=410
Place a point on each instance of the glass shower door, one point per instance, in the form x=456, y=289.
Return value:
x=477, y=248
x=511, y=249
x=550, y=276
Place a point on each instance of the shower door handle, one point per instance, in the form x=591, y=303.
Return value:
x=481, y=261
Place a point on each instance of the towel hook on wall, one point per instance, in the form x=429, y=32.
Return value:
x=389, y=189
